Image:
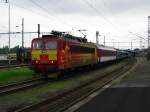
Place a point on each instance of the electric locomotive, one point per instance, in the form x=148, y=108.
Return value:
x=60, y=51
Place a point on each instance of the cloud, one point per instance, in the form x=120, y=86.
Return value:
x=86, y=6
x=115, y=17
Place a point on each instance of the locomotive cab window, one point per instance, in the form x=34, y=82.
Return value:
x=38, y=45
x=51, y=45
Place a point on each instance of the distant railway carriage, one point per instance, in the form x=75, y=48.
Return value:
x=4, y=59
x=12, y=56
x=60, y=51
x=121, y=54
x=21, y=55
x=106, y=53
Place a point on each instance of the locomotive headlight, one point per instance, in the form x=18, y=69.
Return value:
x=52, y=62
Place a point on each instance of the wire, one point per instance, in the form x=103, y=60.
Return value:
x=98, y=12
x=27, y=9
x=47, y=11
x=82, y=21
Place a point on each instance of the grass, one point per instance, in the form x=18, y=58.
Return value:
x=14, y=75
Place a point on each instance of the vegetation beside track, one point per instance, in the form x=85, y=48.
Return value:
x=40, y=93
x=14, y=75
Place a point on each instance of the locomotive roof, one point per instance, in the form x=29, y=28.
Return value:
x=57, y=34
x=105, y=47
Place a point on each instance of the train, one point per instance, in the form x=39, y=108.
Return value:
x=23, y=55
x=60, y=51
x=20, y=56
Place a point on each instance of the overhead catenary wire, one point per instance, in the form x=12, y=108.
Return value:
x=100, y=13
x=27, y=9
x=91, y=5
x=107, y=7
x=47, y=11
x=82, y=21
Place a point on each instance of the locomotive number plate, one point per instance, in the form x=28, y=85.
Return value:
x=43, y=51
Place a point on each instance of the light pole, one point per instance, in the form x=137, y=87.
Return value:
x=148, y=32
x=132, y=43
x=97, y=39
x=38, y=30
x=8, y=1
x=113, y=41
x=9, y=22
x=22, y=32
x=104, y=40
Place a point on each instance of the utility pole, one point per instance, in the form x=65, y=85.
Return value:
x=118, y=45
x=131, y=45
x=113, y=42
x=38, y=30
x=8, y=1
x=148, y=32
x=22, y=32
x=97, y=39
x=140, y=42
x=104, y=40
x=9, y=22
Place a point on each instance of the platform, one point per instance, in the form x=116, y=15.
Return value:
x=131, y=94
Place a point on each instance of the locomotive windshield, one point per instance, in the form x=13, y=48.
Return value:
x=44, y=45
x=51, y=45
x=38, y=45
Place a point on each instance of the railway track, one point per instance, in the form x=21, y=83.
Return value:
x=11, y=88
x=64, y=100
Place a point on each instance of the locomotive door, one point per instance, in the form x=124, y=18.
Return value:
x=67, y=55
x=64, y=55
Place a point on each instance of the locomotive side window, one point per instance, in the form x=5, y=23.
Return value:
x=81, y=49
x=38, y=45
x=51, y=45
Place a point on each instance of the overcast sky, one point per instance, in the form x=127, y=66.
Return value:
x=112, y=18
